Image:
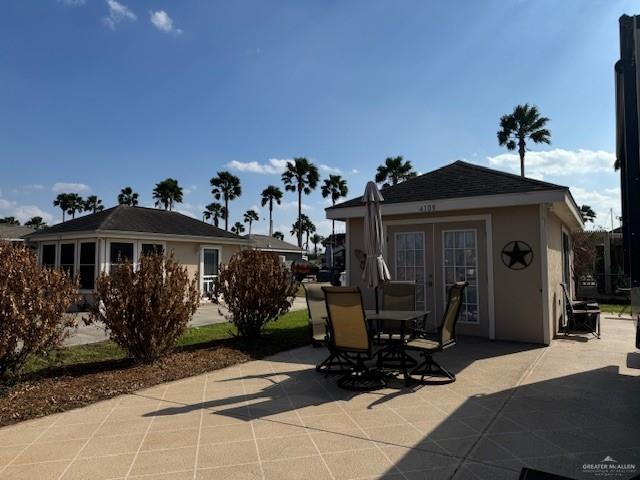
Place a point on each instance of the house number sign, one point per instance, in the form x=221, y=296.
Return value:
x=427, y=208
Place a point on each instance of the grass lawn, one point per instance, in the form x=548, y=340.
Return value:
x=614, y=308
x=288, y=331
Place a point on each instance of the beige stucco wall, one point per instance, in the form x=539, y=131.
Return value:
x=554, y=254
x=518, y=296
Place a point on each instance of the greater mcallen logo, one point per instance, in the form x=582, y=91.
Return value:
x=608, y=467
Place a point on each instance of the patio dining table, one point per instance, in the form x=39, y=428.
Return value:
x=404, y=320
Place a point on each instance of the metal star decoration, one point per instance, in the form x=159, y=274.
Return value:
x=517, y=255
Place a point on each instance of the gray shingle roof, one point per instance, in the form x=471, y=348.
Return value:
x=137, y=219
x=14, y=232
x=265, y=241
x=457, y=180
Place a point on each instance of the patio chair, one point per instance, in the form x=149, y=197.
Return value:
x=350, y=339
x=582, y=315
x=317, y=311
x=427, y=344
x=398, y=296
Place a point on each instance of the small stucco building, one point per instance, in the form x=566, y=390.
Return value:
x=14, y=233
x=91, y=244
x=508, y=236
x=287, y=252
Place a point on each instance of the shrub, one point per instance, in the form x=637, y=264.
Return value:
x=33, y=300
x=146, y=310
x=256, y=288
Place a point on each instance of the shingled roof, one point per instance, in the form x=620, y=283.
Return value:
x=457, y=180
x=137, y=219
x=265, y=242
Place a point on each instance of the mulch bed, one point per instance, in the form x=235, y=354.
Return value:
x=64, y=388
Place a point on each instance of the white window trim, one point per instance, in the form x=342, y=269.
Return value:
x=444, y=279
x=201, y=263
x=424, y=261
x=56, y=253
x=137, y=249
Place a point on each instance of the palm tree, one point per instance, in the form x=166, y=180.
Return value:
x=278, y=235
x=237, y=228
x=93, y=204
x=226, y=186
x=36, y=222
x=316, y=239
x=214, y=211
x=307, y=227
x=269, y=195
x=128, y=197
x=588, y=215
x=167, y=193
x=10, y=221
x=396, y=170
x=250, y=216
x=301, y=176
x=62, y=201
x=523, y=123
x=334, y=187
x=76, y=204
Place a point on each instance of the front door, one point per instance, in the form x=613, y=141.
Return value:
x=210, y=261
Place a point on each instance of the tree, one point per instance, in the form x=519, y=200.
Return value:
x=226, y=186
x=396, y=170
x=93, y=204
x=36, y=222
x=237, y=228
x=278, y=235
x=316, y=239
x=214, y=211
x=250, y=216
x=307, y=226
x=269, y=195
x=10, y=221
x=334, y=187
x=523, y=123
x=128, y=197
x=588, y=215
x=167, y=193
x=76, y=204
x=62, y=201
x=300, y=176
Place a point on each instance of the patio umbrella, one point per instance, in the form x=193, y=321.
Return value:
x=375, y=271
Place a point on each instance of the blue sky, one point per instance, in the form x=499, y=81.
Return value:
x=99, y=94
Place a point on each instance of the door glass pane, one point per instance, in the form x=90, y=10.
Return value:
x=87, y=265
x=210, y=261
x=121, y=252
x=461, y=264
x=68, y=258
x=49, y=255
x=410, y=262
x=148, y=248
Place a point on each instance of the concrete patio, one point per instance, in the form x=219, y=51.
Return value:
x=556, y=409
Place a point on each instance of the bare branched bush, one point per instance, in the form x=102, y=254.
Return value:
x=256, y=288
x=33, y=302
x=146, y=310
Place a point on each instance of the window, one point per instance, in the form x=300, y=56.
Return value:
x=68, y=258
x=148, y=248
x=87, y=265
x=49, y=255
x=210, y=264
x=410, y=263
x=461, y=264
x=120, y=252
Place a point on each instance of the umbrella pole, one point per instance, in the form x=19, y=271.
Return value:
x=376, y=294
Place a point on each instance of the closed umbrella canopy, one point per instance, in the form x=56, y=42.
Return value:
x=375, y=271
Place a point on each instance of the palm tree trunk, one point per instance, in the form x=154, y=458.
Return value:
x=299, y=216
x=521, y=150
x=226, y=217
x=62, y=216
x=270, y=217
x=333, y=239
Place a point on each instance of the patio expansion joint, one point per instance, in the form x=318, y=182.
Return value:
x=529, y=370
x=253, y=430
x=146, y=433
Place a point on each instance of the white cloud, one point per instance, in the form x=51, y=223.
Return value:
x=293, y=205
x=328, y=169
x=602, y=202
x=64, y=187
x=557, y=162
x=274, y=166
x=355, y=171
x=6, y=204
x=117, y=13
x=163, y=22
x=25, y=212
x=73, y=3
x=190, y=189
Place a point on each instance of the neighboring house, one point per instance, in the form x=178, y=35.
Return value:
x=607, y=275
x=90, y=244
x=334, y=246
x=508, y=236
x=14, y=233
x=285, y=250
